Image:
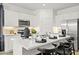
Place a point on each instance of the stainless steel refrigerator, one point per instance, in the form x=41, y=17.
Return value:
x=1, y=26
x=72, y=28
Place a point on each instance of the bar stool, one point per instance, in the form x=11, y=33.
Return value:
x=66, y=48
x=48, y=50
x=71, y=41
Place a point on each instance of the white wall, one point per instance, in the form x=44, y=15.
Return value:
x=44, y=19
x=12, y=14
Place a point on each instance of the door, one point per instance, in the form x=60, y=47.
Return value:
x=1, y=26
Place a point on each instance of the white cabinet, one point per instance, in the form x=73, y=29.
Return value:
x=74, y=15
x=8, y=43
x=22, y=16
x=11, y=18
x=61, y=18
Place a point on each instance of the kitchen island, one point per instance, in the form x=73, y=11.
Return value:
x=29, y=46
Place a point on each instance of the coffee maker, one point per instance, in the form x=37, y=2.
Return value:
x=64, y=32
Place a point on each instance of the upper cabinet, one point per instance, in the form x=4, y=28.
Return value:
x=67, y=16
x=11, y=18
x=22, y=16
x=74, y=15
x=26, y=17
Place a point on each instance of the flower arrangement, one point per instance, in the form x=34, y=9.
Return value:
x=33, y=31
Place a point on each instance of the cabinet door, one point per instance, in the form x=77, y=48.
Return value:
x=23, y=16
x=8, y=43
x=74, y=15
x=11, y=18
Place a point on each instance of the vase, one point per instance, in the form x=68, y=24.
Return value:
x=33, y=36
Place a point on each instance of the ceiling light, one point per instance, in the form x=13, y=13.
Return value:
x=44, y=4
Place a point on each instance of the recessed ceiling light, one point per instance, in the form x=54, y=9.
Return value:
x=44, y=4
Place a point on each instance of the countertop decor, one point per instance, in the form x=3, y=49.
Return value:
x=9, y=30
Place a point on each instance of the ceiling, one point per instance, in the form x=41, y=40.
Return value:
x=56, y=6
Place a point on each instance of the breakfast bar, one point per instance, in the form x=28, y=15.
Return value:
x=29, y=46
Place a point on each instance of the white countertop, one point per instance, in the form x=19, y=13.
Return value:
x=31, y=44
